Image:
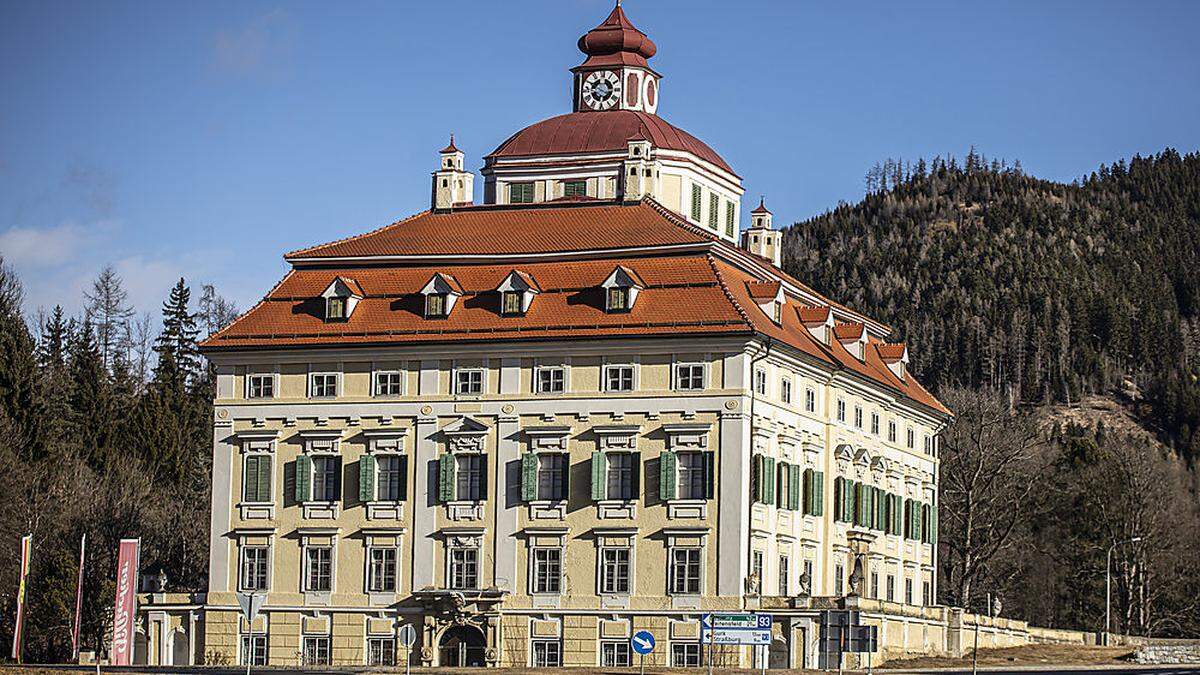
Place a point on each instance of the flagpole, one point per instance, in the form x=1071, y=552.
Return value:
x=78, y=601
x=19, y=628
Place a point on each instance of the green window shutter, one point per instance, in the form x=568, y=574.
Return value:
x=265, y=474
x=529, y=466
x=250, y=479
x=666, y=476
x=366, y=478
x=446, y=477
x=837, y=498
x=807, y=505
x=756, y=478
x=403, y=467
x=819, y=493
x=637, y=474
x=303, y=479
x=566, y=491
x=933, y=525
x=710, y=474
x=769, y=480
x=795, y=486
x=877, y=499
x=483, y=478
x=598, y=478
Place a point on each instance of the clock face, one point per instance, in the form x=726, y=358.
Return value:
x=601, y=90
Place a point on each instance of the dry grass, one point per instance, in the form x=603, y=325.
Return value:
x=1028, y=655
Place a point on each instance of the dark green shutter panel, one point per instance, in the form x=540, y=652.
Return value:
x=637, y=474
x=598, y=482
x=529, y=466
x=566, y=481
x=303, y=479
x=838, y=499
x=403, y=468
x=710, y=474
x=265, y=474
x=446, y=477
x=483, y=478
x=807, y=505
x=366, y=478
x=250, y=480
x=769, y=479
x=933, y=525
x=666, y=476
x=755, y=481
x=819, y=492
x=795, y=485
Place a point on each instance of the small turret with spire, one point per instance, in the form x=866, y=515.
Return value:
x=452, y=185
x=761, y=238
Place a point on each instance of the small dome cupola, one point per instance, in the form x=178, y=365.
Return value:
x=452, y=185
x=616, y=40
x=616, y=75
x=761, y=238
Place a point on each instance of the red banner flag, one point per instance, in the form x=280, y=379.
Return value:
x=78, y=602
x=125, y=607
x=19, y=630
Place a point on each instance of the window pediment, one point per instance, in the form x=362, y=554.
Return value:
x=465, y=435
x=686, y=436
x=548, y=438
x=617, y=437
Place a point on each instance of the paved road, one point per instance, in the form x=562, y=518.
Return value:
x=1070, y=670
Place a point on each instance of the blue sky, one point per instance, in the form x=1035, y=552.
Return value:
x=206, y=139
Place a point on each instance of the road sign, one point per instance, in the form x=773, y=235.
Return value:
x=642, y=642
x=407, y=635
x=251, y=604
x=736, y=629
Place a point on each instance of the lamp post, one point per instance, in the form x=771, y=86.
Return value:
x=1108, y=584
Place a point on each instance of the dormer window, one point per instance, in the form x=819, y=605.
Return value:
x=621, y=289
x=341, y=297
x=441, y=293
x=853, y=337
x=768, y=295
x=516, y=293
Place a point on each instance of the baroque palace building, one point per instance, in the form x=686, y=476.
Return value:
x=533, y=426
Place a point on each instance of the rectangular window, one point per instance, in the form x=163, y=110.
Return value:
x=841, y=410
x=382, y=570
x=614, y=571
x=318, y=563
x=839, y=581
x=729, y=219
x=785, y=390
x=714, y=208
x=908, y=598
x=926, y=594
x=858, y=417
x=323, y=385
x=316, y=650
x=909, y=437
x=551, y=477
x=325, y=477
x=617, y=299
x=928, y=445
x=810, y=400
x=389, y=383
x=692, y=470
x=389, y=478
x=256, y=484
x=874, y=585
x=520, y=193
x=689, y=376
x=254, y=568
x=615, y=654
x=685, y=654
x=696, y=194
x=261, y=386
x=618, y=378
x=784, y=573
x=756, y=567
x=620, y=475
x=381, y=651
x=551, y=379
x=875, y=423
x=545, y=575
x=468, y=381
x=435, y=305
x=575, y=188
x=685, y=571
x=511, y=303
x=547, y=654
x=254, y=650
x=469, y=477
x=891, y=431
x=808, y=575
x=335, y=309
x=760, y=382
x=463, y=572
x=891, y=588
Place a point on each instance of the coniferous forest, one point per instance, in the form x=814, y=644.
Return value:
x=1021, y=299
x=1026, y=302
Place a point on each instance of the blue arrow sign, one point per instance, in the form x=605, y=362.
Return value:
x=642, y=642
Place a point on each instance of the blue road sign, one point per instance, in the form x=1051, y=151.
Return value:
x=642, y=642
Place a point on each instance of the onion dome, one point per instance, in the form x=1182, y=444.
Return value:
x=616, y=41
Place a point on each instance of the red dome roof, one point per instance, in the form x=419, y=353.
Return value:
x=607, y=131
x=616, y=40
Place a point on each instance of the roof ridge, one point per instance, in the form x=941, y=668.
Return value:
x=310, y=249
x=728, y=294
x=262, y=301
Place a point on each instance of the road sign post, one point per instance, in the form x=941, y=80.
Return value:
x=408, y=637
x=642, y=643
x=250, y=604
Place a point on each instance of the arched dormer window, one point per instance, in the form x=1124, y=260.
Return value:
x=341, y=297
x=621, y=289
x=516, y=293
x=441, y=293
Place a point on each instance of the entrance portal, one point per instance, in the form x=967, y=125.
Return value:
x=462, y=646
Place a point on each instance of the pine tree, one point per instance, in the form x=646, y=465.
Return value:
x=109, y=311
x=178, y=355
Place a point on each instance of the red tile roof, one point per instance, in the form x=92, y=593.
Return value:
x=813, y=316
x=891, y=352
x=603, y=131
x=849, y=332
x=761, y=208
x=763, y=290
x=353, y=285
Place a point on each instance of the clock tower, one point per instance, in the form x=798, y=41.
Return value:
x=616, y=75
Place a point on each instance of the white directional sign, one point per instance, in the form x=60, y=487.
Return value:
x=251, y=604
x=736, y=629
x=407, y=635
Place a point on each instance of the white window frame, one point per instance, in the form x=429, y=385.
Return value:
x=384, y=640
x=255, y=449
x=633, y=377
x=251, y=376
x=325, y=455
x=682, y=657
x=483, y=380
x=671, y=568
x=760, y=381
x=545, y=661
x=608, y=469
x=783, y=574
x=858, y=417
x=533, y=570
x=369, y=577
x=389, y=455
x=306, y=567
x=548, y=368
x=677, y=378
x=810, y=400
x=450, y=550
x=693, y=456
x=375, y=388
x=602, y=576
x=459, y=473
x=616, y=646
x=891, y=431
x=316, y=639
x=785, y=389
x=548, y=456
x=841, y=410
x=241, y=572
x=254, y=639
x=874, y=423
x=312, y=382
